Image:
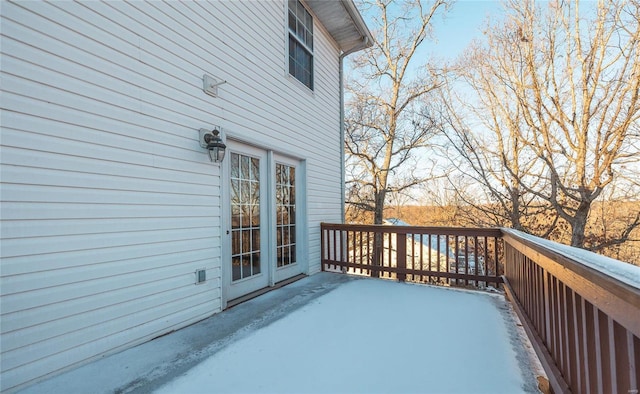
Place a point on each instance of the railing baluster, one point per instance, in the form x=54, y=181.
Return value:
x=335, y=246
x=390, y=259
x=429, y=256
x=413, y=255
x=438, y=257
x=601, y=351
x=564, y=333
x=421, y=257
x=347, y=243
x=576, y=308
x=484, y=261
x=605, y=354
x=572, y=338
x=582, y=334
x=457, y=255
x=369, y=272
x=614, y=356
x=466, y=259
x=497, y=266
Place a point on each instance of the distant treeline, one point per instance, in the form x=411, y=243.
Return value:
x=606, y=222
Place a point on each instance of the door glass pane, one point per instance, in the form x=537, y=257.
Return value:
x=244, y=167
x=255, y=193
x=246, y=241
x=253, y=219
x=255, y=259
x=255, y=169
x=285, y=210
x=235, y=217
x=245, y=216
x=235, y=166
x=236, y=268
x=292, y=214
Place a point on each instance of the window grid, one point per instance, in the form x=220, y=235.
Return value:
x=245, y=216
x=286, y=215
x=300, y=43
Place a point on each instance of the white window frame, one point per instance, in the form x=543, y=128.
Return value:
x=291, y=34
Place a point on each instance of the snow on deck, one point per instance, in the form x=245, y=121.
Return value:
x=375, y=336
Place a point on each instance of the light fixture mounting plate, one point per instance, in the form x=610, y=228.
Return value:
x=202, y=133
x=210, y=85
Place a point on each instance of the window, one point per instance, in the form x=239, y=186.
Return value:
x=245, y=216
x=286, y=214
x=300, y=43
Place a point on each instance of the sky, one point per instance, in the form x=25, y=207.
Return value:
x=453, y=32
x=462, y=23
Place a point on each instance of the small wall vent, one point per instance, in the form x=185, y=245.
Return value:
x=201, y=276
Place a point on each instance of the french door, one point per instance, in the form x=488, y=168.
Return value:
x=261, y=230
x=247, y=232
x=287, y=217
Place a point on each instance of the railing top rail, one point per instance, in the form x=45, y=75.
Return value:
x=467, y=231
x=618, y=299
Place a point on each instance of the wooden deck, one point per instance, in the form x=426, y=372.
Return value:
x=584, y=323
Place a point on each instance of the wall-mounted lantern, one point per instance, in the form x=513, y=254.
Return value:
x=211, y=141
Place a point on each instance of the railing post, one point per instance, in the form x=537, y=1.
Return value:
x=401, y=256
x=377, y=253
x=323, y=253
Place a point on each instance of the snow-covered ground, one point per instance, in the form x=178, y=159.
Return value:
x=370, y=336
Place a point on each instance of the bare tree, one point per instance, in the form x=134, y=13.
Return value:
x=490, y=163
x=571, y=77
x=385, y=97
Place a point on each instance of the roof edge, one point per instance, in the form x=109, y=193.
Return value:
x=361, y=26
x=343, y=22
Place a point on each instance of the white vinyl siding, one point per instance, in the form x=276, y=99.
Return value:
x=109, y=204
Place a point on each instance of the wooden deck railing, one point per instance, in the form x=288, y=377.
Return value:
x=461, y=256
x=583, y=323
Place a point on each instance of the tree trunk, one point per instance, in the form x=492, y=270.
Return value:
x=378, y=217
x=378, y=214
x=515, y=209
x=579, y=224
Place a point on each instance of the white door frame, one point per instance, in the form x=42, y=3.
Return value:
x=301, y=265
x=230, y=289
x=273, y=274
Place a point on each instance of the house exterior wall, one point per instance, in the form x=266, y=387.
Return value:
x=109, y=204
